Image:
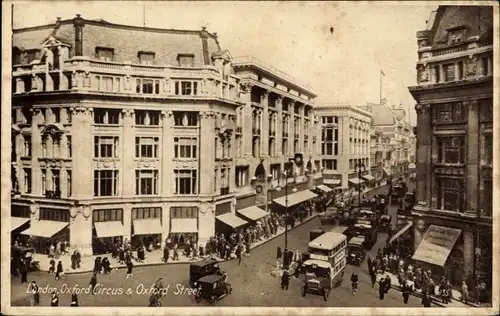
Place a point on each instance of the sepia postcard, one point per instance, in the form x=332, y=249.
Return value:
x=250, y=158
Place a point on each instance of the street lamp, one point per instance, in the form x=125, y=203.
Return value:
x=285, y=175
x=359, y=167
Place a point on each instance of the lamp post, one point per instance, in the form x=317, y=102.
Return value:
x=359, y=167
x=285, y=175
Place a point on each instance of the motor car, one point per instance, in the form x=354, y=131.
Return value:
x=329, y=217
x=315, y=233
x=356, y=252
x=202, y=268
x=367, y=229
x=212, y=287
x=26, y=254
x=409, y=200
x=385, y=222
x=320, y=277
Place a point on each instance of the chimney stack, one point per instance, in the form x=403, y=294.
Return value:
x=78, y=23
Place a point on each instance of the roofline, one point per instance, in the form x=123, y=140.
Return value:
x=343, y=106
x=115, y=25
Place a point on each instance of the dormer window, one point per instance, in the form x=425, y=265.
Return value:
x=104, y=53
x=456, y=34
x=185, y=60
x=146, y=58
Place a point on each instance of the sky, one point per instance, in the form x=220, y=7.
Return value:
x=295, y=37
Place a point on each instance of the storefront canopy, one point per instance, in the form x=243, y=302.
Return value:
x=324, y=188
x=356, y=181
x=387, y=171
x=184, y=225
x=436, y=245
x=147, y=226
x=401, y=231
x=331, y=181
x=45, y=229
x=16, y=222
x=253, y=213
x=109, y=229
x=231, y=220
x=368, y=177
x=295, y=198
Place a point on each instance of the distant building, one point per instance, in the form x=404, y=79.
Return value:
x=454, y=141
x=345, y=145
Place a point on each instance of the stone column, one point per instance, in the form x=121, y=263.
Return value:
x=206, y=222
x=264, y=125
x=246, y=134
x=301, y=129
x=490, y=66
x=165, y=223
x=36, y=152
x=441, y=73
x=279, y=126
x=468, y=267
x=472, y=145
x=207, y=159
x=457, y=72
x=424, y=150
x=20, y=87
x=127, y=144
x=80, y=229
x=167, y=154
x=310, y=133
x=127, y=220
x=83, y=149
x=434, y=159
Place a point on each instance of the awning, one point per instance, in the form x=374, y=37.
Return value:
x=324, y=188
x=437, y=244
x=253, y=213
x=147, y=226
x=184, y=225
x=412, y=166
x=16, y=222
x=356, y=181
x=231, y=220
x=45, y=229
x=295, y=198
x=331, y=181
x=387, y=171
x=401, y=231
x=368, y=177
x=109, y=229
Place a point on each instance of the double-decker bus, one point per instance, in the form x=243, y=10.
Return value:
x=330, y=247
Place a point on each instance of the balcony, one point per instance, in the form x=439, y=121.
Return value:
x=238, y=130
x=256, y=131
x=224, y=191
x=306, y=137
x=285, y=135
x=52, y=194
x=296, y=136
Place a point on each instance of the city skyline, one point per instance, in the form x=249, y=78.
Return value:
x=326, y=68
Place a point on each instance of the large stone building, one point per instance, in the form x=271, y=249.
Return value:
x=454, y=142
x=345, y=145
x=141, y=133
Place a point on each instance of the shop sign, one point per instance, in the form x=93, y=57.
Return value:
x=437, y=244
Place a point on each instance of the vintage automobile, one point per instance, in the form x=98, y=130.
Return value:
x=401, y=222
x=212, y=287
x=368, y=230
x=329, y=217
x=315, y=233
x=320, y=278
x=385, y=222
x=356, y=252
x=347, y=216
x=20, y=254
x=409, y=201
x=366, y=213
x=202, y=268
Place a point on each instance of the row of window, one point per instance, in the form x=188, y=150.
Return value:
x=143, y=57
x=143, y=117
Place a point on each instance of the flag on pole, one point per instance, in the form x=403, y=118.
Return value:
x=382, y=73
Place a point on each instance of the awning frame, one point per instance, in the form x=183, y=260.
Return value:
x=293, y=199
x=34, y=229
x=356, y=181
x=121, y=229
x=253, y=213
x=401, y=231
x=226, y=219
x=147, y=221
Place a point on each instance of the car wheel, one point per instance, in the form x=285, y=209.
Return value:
x=303, y=291
x=326, y=293
x=213, y=299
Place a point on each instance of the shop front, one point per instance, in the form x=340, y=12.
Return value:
x=107, y=230
x=183, y=226
x=20, y=216
x=146, y=227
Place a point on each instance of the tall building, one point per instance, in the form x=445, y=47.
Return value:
x=124, y=132
x=345, y=145
x=454, y=142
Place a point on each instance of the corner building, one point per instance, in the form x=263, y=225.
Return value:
x=454, y=143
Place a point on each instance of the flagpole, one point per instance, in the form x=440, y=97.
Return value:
x=144, y=14
x=380, y=87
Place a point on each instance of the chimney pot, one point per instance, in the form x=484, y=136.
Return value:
x=78, y=15
x=203, y=28
x=58, y=18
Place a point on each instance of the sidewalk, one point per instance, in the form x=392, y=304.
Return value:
x=436, y=300
x=154, y=257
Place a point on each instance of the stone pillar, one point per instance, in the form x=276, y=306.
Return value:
x=127, y=144
x=279, y=126
x=165, y=223
x=49, y=82
x=247, y=111
x=434, y=159
x=441, y=73
x=457, y=72
x=36, y=152
x=207, y=159
x=472, y=158
x=291, y=127
x=301, y=129
x=424, y=150
x=20, y=87
x=127, y=220
x=206, y=222
x=83, y=150
x=468, y=267
x=80, y=229
x=490, y=66
x=167, y=154
x=264, y=125
x=63, y=182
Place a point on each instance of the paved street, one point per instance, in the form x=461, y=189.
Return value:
x=253, y=284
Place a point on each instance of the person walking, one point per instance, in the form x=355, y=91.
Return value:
x=176, y=253
x=381, y=288
x=373, y=277
x=238, y=253
x=93, y=282
x=465, y=292
x=285, y=280
x=387, y=284
x=52, y=268
x=406, y=292
x=426, y=300
x=24, y=272
x=354, y=282
x=36, y=294
x=74, y=300
x=130, y=265
x=59, y=270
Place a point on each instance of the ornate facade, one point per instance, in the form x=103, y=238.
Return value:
x=454, y=137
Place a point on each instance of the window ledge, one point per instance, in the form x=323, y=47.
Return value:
x=450, y=164
x=145, y=126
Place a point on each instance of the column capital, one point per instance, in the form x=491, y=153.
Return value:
x=420, y=108
x=246, y=87
x=470, y=104
x=279, y=99
x=167, y=113
x=127, y=113
x=75, y=110
x=264, y=95
x=207, y=114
